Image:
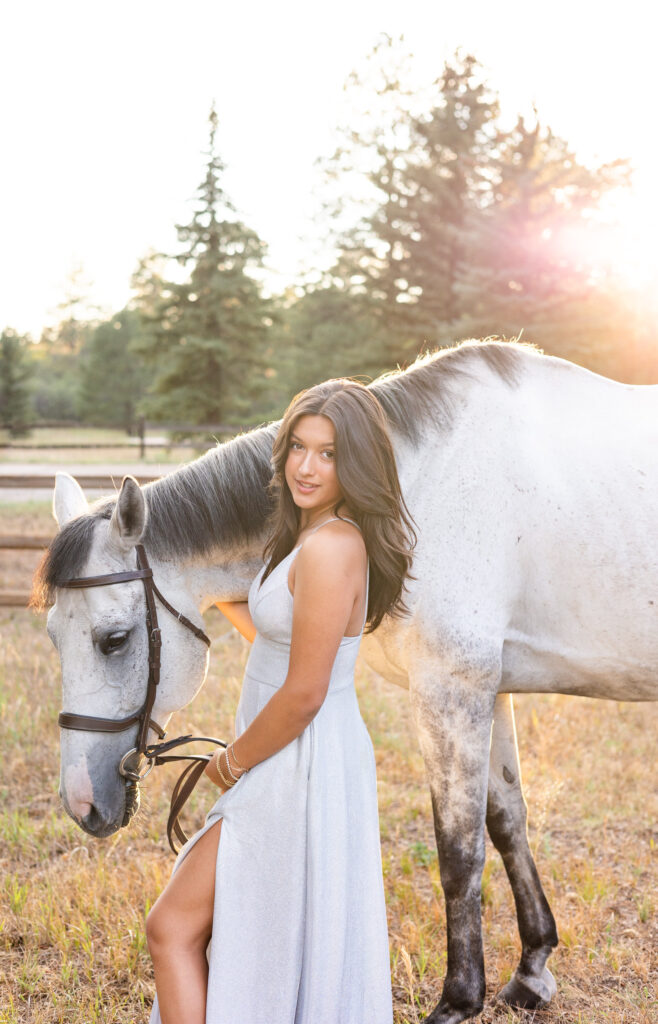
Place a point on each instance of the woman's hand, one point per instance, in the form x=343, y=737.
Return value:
x=214, y=776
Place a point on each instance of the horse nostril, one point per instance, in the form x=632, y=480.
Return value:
x=99, y=825
x=80, y=809
x=93, y=821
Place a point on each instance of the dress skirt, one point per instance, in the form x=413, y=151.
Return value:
x=299, y=930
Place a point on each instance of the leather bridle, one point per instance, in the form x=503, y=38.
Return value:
x=155, y=753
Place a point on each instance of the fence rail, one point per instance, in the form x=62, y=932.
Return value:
x=91, y=445
x=46, y=481
x=37, y=542
x=14, y=598
x=179, y=433
x=19, y=542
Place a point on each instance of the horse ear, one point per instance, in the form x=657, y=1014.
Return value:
x=129, y=516
x=68, y=499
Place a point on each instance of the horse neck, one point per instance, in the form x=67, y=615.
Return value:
x=201, y=580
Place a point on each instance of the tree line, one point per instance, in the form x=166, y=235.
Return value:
x=445, y=225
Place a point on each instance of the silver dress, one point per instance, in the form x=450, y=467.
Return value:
x=299, y=931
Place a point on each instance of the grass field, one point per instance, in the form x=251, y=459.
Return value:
x=72, y=909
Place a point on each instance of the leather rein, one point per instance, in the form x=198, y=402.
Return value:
x=154, y=753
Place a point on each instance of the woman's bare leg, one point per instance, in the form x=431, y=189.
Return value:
x=178, y=930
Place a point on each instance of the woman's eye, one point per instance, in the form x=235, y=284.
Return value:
x=295, y=444
x=113, y=642
x=329, y=454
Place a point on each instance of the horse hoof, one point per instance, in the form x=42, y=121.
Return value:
x=446, y=1015
x=528, y=993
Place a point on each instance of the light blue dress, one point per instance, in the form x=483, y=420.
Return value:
x=299, y=930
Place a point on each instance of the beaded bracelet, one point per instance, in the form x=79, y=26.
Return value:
x=226, y=781
x=231, y=750
x=229, y=769
x=237, y=763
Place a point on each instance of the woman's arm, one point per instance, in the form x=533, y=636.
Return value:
x=327, y=582
x=238, y=614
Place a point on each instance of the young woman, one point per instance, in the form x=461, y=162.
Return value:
x=285, y=879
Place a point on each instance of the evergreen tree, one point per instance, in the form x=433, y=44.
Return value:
x=112, y=377
x=469, y=230
x=330, y=333
x=15, y=374
x=78, y=315
x=427, y=167
x=58, y=353
x=452, y=147
x=205, y=338
x=531, y=259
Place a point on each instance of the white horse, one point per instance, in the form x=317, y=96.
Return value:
x=534, y=487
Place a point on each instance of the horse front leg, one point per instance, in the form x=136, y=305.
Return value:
x=532, y=984
x=453, y=717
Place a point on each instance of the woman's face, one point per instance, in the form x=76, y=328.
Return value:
x=311, y=466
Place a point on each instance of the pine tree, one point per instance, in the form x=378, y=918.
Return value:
x=15, y=374
x=112, y=377
x=330, y=333
x=427, y=167
x=531, y=264
x=205, y=338
x=451, y=148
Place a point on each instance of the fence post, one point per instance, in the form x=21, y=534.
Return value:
x=141, y=429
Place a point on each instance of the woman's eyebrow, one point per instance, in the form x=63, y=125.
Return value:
x=327, y=444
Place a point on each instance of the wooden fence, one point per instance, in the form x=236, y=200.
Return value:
x=36, y=542
x=91, y=481
x=180, y=435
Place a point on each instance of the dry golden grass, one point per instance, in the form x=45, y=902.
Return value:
x=72, y=909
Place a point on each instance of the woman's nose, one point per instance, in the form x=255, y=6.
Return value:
x=307, y=464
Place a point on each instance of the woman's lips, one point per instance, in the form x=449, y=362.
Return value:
x=306, y=488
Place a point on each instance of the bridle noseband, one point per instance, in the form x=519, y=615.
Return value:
x=156, y=753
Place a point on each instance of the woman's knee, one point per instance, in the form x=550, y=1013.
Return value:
x=181, y=918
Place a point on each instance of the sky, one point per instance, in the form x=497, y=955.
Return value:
x=104, y=118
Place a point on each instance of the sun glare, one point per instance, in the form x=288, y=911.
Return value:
x=627, y=238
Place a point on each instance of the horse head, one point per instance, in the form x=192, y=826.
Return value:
x=102, y=637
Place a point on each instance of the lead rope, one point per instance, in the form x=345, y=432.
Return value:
x=186, y=782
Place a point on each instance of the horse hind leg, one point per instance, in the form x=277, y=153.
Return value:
x=532, y=985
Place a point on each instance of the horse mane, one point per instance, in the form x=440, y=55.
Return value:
x=220, y=500
x=424, y=392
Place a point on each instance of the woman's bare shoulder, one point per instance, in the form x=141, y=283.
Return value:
x=338, y=544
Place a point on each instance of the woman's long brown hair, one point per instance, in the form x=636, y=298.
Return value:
x=368, y=479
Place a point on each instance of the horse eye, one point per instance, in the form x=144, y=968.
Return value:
x=113, y=642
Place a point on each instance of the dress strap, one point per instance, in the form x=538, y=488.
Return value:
x=336, y=519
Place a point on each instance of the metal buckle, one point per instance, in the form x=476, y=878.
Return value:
x=156, y=640
x=133, y=773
